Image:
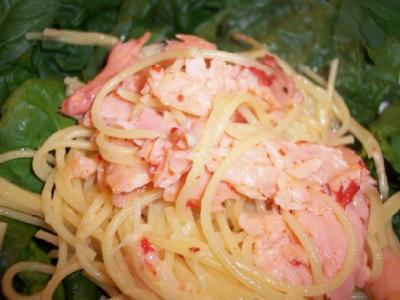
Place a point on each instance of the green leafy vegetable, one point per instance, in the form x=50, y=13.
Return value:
x=54, y=59
x=48, y=59
x=28, y=117
x=78, y=287
x=10, y=78
x=18, y=18
x=386, y=13
x=30, y=114
x=20, y=172
x=16, y=239
x=29, y=283
x=297, y=30
x=369, y=60
x=387, y=130
x=18, y=245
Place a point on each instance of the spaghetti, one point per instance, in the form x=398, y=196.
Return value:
x=148, y=225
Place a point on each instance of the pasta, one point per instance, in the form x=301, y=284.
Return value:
x=3, y=229
x=159, y=240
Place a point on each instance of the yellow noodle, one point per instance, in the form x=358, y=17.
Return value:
x=23, y=217
x=26, y=153
x=14, y=197
x=74, y=37
x=3, y=230
x=46, y=236
x=307, y=245
x=391, y=206
x=7, y=280
x=376, y=256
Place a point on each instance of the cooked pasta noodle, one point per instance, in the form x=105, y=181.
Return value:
x=3, y=229
x=74, y=37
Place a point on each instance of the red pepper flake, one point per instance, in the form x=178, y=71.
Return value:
x=282, y=152
x=175, y=135
x=300, y=142
x=156, y=68
x=345, y=196
x=262, y=76
x=180, y=98
x=193, y=203
x=295, y=262
x=146, y=246
x=270, y=61
x=194, y=249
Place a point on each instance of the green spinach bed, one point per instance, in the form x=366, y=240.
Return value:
x=363, y=34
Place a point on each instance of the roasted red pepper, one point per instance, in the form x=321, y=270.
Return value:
x=345, y=196
x=146, y=246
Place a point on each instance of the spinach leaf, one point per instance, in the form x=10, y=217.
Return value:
x=92, y=6
x=122, y=23
x=16, y=239
x=55, y=59
x=387, y=130
x=129, y=12
x=297, y=30
x=10, y=78
x=367, y=55
x=19, y=17
x=48, y=59
x=386, y=13
x=19, y=171
x=28, y=117
x=362, y=99
x=163, y=18
x=18, y=245
x=30, y=114
x=78, y=287
x=119, y=25
x=95, y=63
x=102, y=21
x=29, y=283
